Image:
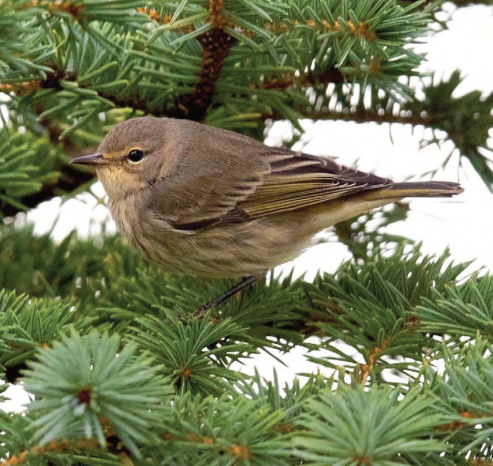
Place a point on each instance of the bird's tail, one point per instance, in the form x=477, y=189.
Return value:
x=416, y=189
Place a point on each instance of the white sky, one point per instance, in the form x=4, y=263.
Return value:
x=464, y=223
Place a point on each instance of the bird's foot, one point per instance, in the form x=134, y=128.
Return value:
x=201, y=311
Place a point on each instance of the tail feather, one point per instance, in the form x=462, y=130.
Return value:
x=417, y=189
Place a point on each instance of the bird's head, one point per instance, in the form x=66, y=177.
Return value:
x=130, y=157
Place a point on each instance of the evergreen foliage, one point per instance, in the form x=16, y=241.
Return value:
x=118, y=368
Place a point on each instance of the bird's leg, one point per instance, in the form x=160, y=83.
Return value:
x=245, y=282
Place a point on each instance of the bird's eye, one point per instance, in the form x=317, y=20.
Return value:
x=135, y=155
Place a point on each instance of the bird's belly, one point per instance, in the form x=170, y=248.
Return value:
x=235, y=250
x=130, y=224
x=225, y=252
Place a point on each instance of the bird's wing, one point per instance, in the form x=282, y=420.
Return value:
x=210, y=174
x=299, y=180
x=242, y=180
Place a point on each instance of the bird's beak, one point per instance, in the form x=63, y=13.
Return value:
x=93, y=159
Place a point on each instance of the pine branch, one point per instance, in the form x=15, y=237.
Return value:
x=56, y=80
x=96, y=360
x=35, y=167
x=70, y=180
x=466, y=407
x=193, y=370
x=327, y=442
x=216, y=45
x=466, y=120
x=370, y=41
x=382, y=308
x=54, y=446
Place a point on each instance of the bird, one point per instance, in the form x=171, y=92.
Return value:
x=209, y=202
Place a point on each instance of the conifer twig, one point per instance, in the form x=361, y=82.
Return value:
x=363, y=115
x=54, y=446
x=69, y=180
x=372, y=361
x=216, y=45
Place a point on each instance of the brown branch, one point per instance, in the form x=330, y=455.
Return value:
x=236, y=451
x=54, y=446
x=166, y=19
x=359, y=30
x=216, y=45
x=132, y=101
x=372, y=362
x=332, y=75
x=53, y=81
x=455, y=425
x=359, y=116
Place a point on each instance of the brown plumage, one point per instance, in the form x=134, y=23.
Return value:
x=210, y=202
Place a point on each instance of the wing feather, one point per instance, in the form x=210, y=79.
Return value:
x=243, y=180
x=299, y=180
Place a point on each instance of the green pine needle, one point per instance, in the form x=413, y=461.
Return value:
x=86, y=386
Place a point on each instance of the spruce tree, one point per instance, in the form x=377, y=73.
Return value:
x=119, y=369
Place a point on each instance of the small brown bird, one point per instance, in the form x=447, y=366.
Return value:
x=204, y=201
